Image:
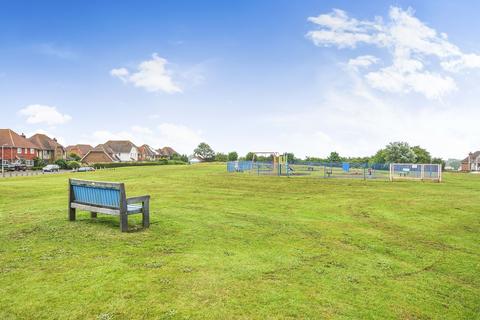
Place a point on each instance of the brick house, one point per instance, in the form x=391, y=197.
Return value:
x=16, y=148
x=124, y=150
x=100, y=154
x=147, y=153
x=472, y=162
x=80, y=150
x=48, y=149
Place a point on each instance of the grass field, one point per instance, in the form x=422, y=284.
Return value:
x=229, y=246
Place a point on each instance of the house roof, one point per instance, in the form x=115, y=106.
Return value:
x=167, y=151
x=120, y=146
x=105, y=148
x=83, y=148
x=471, y=156
x=147, y=150
x=44, y=142
x=99, y=150
x=10, y=138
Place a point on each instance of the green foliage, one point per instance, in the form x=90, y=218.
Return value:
x=249, y=156
x=204, y=152
x=454, y=163
x=291, y=158
x=399, y=152
x=221, y=157
x=232, y=156
x=39, y=163
x=334, y=157
x=61, y=163
x=379, y=157
x=73, y=164
x=137, y=164
x=74, y=156
x=439, y=161
x=180, y=157
x=422, y=155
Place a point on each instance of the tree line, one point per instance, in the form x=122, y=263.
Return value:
x=394, y=152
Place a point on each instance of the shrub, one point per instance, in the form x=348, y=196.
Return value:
x=61, y=163
x=74, y=156
x=73, y=164
x=221, y=157
x=232, y=156
x=39, y=163
x=137, y=164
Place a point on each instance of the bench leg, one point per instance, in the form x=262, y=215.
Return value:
x=146, y=214
x=71, y=213
x=123, y=222
x=93, y=215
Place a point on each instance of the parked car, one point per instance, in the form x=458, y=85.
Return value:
x=51, y=168
x=19, y=166
x=85, y=169
x=9, y=167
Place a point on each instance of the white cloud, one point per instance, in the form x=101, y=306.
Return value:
x=181, y=138
x=362, y=61
x=152, y=75
x=37, y=113
x=411, y=44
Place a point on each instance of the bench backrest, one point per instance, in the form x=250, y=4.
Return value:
x=97, y=193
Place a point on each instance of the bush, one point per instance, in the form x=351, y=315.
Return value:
x=61, y=163
x=39, y=163
x=73, y=164
x=221, y=157
x=74, y=156
x=232, y=156
x=137, y=164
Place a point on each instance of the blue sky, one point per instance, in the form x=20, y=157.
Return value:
x=307, y=77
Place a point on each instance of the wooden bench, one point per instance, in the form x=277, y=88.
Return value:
x=107, y=198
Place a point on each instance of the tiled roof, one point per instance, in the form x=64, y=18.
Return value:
x=10, y=138
x=120, y=146
x=147, y=150
x=83, y=148
x=44, y=142
x=472, y=156
x=167, y=151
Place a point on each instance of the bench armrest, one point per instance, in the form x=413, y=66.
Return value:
x=138, y=199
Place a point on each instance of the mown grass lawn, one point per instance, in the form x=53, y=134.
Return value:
x=228, y=246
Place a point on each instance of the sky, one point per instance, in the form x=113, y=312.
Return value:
x=307, y=77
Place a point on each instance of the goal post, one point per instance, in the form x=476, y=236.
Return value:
x=415, y=171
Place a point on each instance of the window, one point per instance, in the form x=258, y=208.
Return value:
x=19, y=150
x=32, y=151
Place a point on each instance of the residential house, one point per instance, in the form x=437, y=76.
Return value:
x=112, y=151
x=147, y=153
x=16, y=148
x=48, y=149
x=472, y=162
x=166, y=152
x=80, y=150
x=100, y=154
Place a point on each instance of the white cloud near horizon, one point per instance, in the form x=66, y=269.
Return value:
x=44, y=114
x=152, y=75
x=181, y=138
x=411, y=44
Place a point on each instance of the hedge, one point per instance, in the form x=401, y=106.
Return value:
x=136, y=164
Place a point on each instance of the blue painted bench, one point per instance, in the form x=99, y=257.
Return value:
x=107, y=198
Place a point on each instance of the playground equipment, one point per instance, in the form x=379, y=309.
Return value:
x=415, y=171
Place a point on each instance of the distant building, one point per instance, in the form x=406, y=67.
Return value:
x=48, y=149
x=79, y=149
x=472, y=162
x=166, y=152
x=100, y=154
x=147, y=153
x=112, y=151
x=16, y=148
x=193, y=160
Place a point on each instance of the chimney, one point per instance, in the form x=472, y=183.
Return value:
x=23, y=135
x=55, y=139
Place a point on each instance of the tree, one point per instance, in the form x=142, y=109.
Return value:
x=221, y=157
x=74, y=156
x=439, y=161
x=204, y=152
x=334, y=157
x=379, y=157
x=249, y=156
x=232, y=156
x=73, y=164
x=291, y=158
x=399, y=152
x=423, y=156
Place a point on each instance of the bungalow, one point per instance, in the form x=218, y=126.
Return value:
x=99, y=154
x=79, y=149
x=166, y=152
x=471, y=163
x=15, y=147
x=48, y=149
x=147, y=153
